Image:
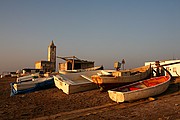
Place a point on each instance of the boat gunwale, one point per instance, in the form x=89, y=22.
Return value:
x=144, y=71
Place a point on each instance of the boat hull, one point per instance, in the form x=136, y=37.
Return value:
x=73, y=88
x=75, y=82
x=144, y=92
x=111, y=81
x=30, y=86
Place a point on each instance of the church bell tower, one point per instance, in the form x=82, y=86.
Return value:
x=52, y=55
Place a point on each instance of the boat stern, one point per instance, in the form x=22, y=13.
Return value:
x=116, y=96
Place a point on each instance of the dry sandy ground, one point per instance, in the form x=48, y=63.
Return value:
x=54, y=104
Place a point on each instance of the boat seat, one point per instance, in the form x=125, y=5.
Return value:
x=133, y=88
x=154, y=81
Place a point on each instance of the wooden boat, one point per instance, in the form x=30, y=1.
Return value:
x=141, y=89
x=75, y=82
x=31, y=85
x=111, y=80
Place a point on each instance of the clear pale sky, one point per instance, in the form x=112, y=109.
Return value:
x=104, y=31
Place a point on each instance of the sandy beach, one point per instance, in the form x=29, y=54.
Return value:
x=54, y=104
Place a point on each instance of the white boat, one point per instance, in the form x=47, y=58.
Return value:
x=75, y=82
x=108, y=80
x=31, y=85
x=142, y=89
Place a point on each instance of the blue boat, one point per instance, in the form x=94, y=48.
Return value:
x=31, y=85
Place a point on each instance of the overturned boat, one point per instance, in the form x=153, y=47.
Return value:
x=108, y=80
x=75, y=82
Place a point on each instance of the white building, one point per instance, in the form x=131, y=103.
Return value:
x=173, y=66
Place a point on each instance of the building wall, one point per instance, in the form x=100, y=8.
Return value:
x=174, y=69
x=68, y=65
x=46, y=66
x=87, y=65
x=38, y=65
x=62, y=66
x=52, y=55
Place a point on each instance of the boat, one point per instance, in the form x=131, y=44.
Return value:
x=27, y=77
x=71, y=83
x=142, y=89
x=109, y=80
x=31, y=85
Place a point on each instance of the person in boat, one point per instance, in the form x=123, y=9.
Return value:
x=159, y=69
x=117, y=66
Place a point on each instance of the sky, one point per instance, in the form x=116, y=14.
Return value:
x=104, y=31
